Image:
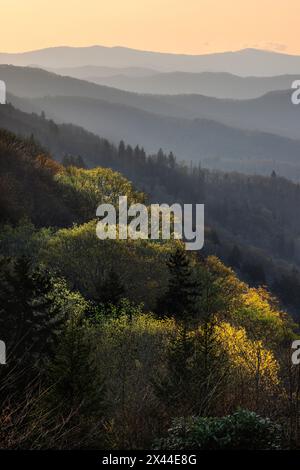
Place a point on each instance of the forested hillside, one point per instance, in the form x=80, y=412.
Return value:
x=252, y=222
x=127, y=344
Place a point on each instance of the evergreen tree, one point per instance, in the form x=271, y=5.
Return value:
x=181, y=297
x=121, y=149
x=195, y=368
x=171, y=160
x=70, y=160
x=235, y=257
x=112, y=290
x=174, y=388
x=29, y=322
x=74, y=378
x=180, y=301
x=196, y=372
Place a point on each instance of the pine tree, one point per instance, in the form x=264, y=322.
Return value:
x=112, y=290
x=29, y=322
x=180, y=301
x=193, y=374
x=235, y=257
x=174, y=388
x=70, y=160
x=181, y=297
x=121, y=149
x=74, y=378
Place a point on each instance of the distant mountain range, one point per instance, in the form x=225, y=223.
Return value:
x=273, y=112
x=214, y=84
x=230, y=135
x=148, y=81
x=86, y=71
x=208, y=142
x=245, y=62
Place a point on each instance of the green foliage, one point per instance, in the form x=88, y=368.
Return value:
x=254, y=213
x=243, y=430
x=195, y=372
x=29, y=320
x=74, y=378
x=28, y=188
x=28, y=317
x=181, y=295
x=24, y=240
x=85, y=261
x=76, y=310
x=101, y=312
x=130, y=349
x=84, y=190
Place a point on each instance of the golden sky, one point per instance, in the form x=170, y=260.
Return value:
x=184, y=26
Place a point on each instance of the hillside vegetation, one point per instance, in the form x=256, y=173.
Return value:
x=113, y=343
x=251, y=218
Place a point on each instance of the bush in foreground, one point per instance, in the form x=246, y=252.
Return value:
x=241, y=430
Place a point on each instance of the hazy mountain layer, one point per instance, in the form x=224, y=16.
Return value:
x=218, y=85
x=273, y=112
x=244, y=62
x=208, y=142
x=87, y=70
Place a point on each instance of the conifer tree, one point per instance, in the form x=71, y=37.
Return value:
x=235, y=257
x=29, y=321
x=180, y=300
x=74, y=378
x=112, y=289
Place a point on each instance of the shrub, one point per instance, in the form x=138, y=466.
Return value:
x=241, y=430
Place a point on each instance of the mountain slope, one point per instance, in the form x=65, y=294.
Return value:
x=273, y=112
x=201, y=140
x=169, y=121
x=30, y=82
x=36, y=187
x=257, y=214
x=28, y=186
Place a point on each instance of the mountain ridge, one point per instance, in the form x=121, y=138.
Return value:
x=242, y=62
x=273, y=112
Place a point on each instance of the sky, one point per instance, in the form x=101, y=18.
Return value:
x=179, y=26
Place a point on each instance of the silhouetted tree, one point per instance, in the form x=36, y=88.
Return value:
x=29, y=321
x=235, y=257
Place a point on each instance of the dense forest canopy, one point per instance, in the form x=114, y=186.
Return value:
x=105, y=323
x=250, y=219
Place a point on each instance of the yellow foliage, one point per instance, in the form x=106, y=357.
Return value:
x=99, y=185
x=247, y=356
x=260, y=315
x=85, y=261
